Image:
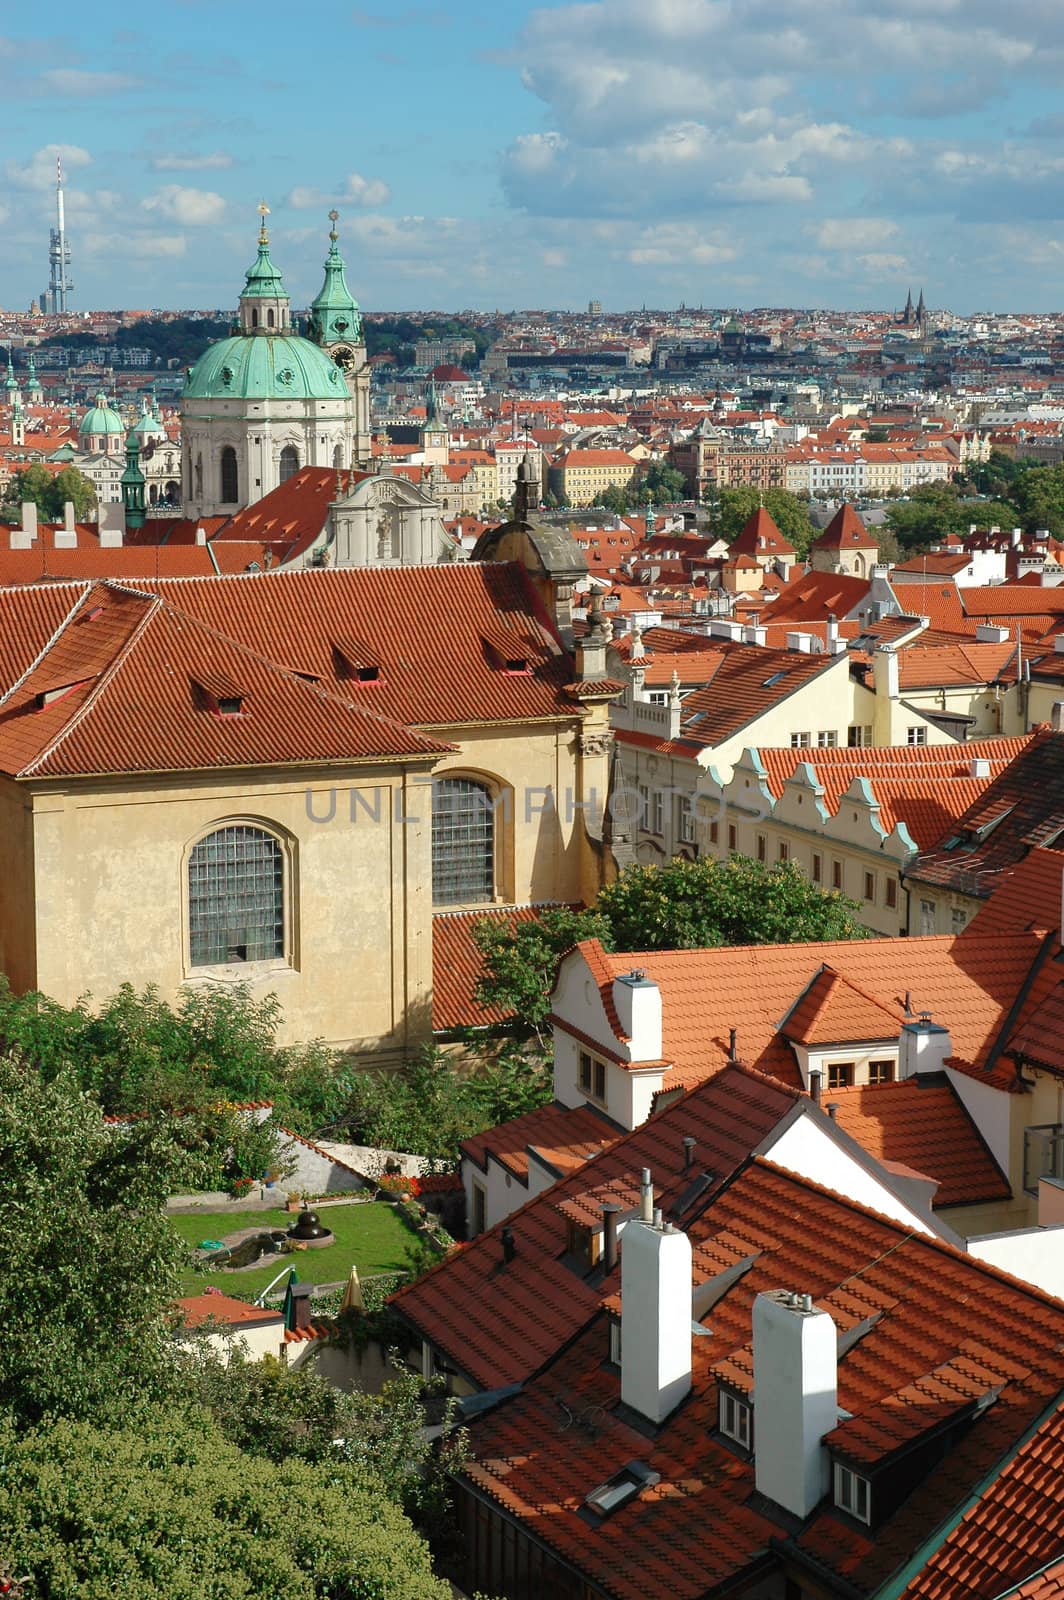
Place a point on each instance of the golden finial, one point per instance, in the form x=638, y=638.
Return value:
x=333, y=218
x=264, y=212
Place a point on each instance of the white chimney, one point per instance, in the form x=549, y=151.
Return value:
x=924, y=1047
x=796, y=1398
x=979, y=767
x=755, y=634
x=1017, y=535
x=990, y=633
x=201, y=536
x=22, y=538
x=655, y=1313
x=637, y=1002
x=66, y=537
x=1058, y=644
x=1057, y=716
x=885, y=672
x=802, y=642
x=112, y=525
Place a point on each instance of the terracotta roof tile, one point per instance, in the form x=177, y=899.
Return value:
x=845, y=531
x=456, y=966
x=833, y=1010
x=923, y=1126
x=564, y=1137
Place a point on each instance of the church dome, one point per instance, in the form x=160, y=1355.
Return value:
x=265, y=366
x=101, y=419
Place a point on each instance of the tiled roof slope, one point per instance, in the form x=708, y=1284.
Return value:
x=1021, y=808
x=1025, y=896
x=456, y=966
x=761, y=536
x=132, y=658
x=1013, y=1529
x=923, y=1125
x=701, y=1526
x=836, y=769
x=833, y=1010
x=502, y=1324
x=748, y=681
x=129, y=685
x=813, y=596
x=956, y=665
x=419, y=621
x=563, y=1136
x=30, y=617
x=968, y=984
x=846, y=531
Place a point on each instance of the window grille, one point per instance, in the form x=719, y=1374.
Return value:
x=230, y=484
x=236, y=897
x=463, y=842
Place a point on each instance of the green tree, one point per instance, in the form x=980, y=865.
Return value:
x=791, y=515
x=49, y=492
x=688, y=905
x=169, y=1506
x=662, y=482
x=614, y=498
x=519, y=962
x=90, y=1261
x=72, y=485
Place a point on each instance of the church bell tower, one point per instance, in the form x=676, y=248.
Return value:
x=335, y=324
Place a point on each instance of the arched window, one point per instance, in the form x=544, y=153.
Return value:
x=463, y=842
x=236, y=897
x=230, y=485
x=289, y=464
x=254, y=319
x=269, y=318
x=199, y=475
x=338, y=457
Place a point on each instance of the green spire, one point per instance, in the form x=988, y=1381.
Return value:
x=12, y=382
x=34, y=384
x=133, y=483
x=334, y=314
x=263, y=278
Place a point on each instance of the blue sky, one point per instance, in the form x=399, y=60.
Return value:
x=730, y=152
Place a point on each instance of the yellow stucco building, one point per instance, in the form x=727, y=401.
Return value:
x=276, y=779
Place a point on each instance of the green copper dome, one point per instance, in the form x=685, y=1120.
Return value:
x=334, y=314
x=265, y=366
x=101, y=419
x=262, y=276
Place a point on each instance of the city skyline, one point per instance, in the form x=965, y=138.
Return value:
x=676, y=150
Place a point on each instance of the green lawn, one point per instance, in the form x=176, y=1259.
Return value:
x=369, y=1234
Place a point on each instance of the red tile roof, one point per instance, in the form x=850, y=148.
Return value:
x=565, y=1137
x=814, y=596
x=213, y=1305
x=701, y=1527
x=456, y=966
x=923, y=1125
x=833, y=1010
x=1022, y=807
x=500, y=1324
x=969, y=986
x=956, y=665
x=761, y=537
x=845, y=531
x=131, y=659
x=1025, y=896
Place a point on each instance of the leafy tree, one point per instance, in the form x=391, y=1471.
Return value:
x=427, y=1108
x=614, y=498
x=662, y=482
x=791, y=516
x=519, y=962
x=170, y=1506
x=72, y=485
x=687, y=905
x=90, y=1261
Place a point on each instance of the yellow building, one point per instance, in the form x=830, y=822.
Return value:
x=276, y=779
x=582, y=475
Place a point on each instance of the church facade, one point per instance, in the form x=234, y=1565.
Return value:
x=259, y=406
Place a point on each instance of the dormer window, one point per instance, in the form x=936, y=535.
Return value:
x=219, y=695
x=48, y=697
x=356, y=662
x=853, y=1493
x=735, y=1418
x=231, y=705
x=592, y=1077
x=508, y=653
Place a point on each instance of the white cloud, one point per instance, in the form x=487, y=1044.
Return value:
x=191, y=207
x=39, y=171
x=140, y=246
x=72, y=81
x=355, y=190
x=214, y=161
x=854, y=233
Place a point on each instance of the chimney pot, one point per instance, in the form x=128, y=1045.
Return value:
x=816, y=1085
x=646, y=1197
x=833, y=1109
x=610, y=1214
x=509, y=1245
x=688, y=1149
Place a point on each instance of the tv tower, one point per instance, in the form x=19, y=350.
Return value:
x=55, y=296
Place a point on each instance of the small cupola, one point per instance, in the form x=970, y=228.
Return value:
x=264, y=303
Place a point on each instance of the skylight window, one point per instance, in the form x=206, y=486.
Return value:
x=622, y=1487
x=775, y=678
